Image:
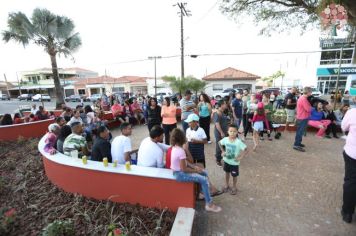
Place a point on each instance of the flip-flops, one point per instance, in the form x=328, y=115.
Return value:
x=217, y=193
x=233, y=191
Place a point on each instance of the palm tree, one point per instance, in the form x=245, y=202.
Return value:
x=52, y=32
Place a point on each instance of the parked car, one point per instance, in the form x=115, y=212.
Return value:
x=316, y=93
x=94, y=97
x=275, y=91
x=25, y=96
x=226, y=92
x=75, y=98
x=41, y=97
x=4, y=97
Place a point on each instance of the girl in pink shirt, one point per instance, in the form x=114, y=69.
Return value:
x=183, y=171
x=258, y=119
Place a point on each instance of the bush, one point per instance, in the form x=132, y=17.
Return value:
x=59, y=228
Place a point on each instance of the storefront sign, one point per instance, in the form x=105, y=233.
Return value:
x=334, y=71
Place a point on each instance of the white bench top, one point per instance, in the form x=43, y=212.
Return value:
x=98, y=166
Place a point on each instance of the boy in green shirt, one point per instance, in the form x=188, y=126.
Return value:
x=233, y=150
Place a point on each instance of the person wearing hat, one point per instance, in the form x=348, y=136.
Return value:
x=188, y=107
x=196, y=138
x=75, y=141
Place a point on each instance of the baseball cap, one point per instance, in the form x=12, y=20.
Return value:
x=192, y=117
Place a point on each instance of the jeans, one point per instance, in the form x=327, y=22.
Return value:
x=201, y=178
x=237, y=122
x=167, y=129
x=301, y=125
x=217, y=147
x=204, y=122
x=185, y=126
x=349, y=195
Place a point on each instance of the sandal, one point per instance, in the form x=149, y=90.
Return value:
x=233, y=191
x=200, y=197
x=212, y=208
x=217, y=193
x=226, y=189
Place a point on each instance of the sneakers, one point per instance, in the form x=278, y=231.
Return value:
x=345, y=217
x=302, y=145
x=213, y=208
x=299, y=148
x=209, y=142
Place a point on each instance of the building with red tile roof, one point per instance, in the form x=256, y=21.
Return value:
x=229, y=78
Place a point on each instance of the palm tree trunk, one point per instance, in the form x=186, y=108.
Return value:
x=57, y=84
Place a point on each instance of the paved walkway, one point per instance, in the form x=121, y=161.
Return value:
x=280, y=191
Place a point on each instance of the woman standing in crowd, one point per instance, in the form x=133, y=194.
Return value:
x=183, y=171
x=205, y=109
x=169, y=119
x=153, y=113
x=251, y=108
x=349, y=196
x=6, y=120
x=317, y=120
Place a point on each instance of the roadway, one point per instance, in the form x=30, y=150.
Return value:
x=13, y=105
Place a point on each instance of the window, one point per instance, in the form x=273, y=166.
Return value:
x=81, y=91
x=217, y=87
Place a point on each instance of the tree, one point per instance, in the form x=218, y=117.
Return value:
x=189, y=82
x=280, y=15
x=52, y=32
x=270, y=79
x=195, y=84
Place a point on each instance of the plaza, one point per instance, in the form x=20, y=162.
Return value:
x=280, y=191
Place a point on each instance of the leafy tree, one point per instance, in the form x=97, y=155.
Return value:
x=280, y=15
x=270, y=79
x=189, y=82
x=52, y=32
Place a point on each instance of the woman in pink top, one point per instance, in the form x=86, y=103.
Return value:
x=183, y=171
x=349, y=196
x=169, y=119
x=51, y=138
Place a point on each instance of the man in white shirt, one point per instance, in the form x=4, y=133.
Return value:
x=151, y=150
x=34, y=109
x=121, y=148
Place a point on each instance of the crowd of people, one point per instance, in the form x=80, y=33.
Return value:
x=80, y=132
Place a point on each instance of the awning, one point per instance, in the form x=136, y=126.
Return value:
x=32, y=87
x=95, y=86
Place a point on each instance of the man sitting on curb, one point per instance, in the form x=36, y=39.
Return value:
x=151, y=150
x=121, y=148
x=75, y=141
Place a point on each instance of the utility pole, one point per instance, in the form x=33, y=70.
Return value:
x=183, y=12
x=338, y=77
x=7, y=86
x=155, y=58
x=18, y=82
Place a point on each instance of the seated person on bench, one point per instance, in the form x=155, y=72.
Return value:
x=317, y=120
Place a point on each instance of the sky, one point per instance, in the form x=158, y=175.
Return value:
x=115, y=32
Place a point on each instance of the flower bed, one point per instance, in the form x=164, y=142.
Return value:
x=33, y=202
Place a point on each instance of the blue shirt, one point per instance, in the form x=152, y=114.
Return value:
x=316, y=115
x=238, y=106
x=204, y=110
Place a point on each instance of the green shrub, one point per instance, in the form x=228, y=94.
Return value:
x=59, y=228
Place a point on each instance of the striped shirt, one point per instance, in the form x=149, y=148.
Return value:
x=73, y=142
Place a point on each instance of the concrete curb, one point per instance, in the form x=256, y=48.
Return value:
x=183, y=223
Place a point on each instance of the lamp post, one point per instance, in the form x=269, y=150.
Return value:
x=155, y=58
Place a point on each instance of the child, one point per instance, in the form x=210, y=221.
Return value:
x=183, y=171
x=258, y=118
x=196, y=139
x=233, y=150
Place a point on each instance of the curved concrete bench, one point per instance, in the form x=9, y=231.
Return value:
x=27, y=130
x=152, y=187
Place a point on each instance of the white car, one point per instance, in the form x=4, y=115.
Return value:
x=41, y=97
x=316, y=93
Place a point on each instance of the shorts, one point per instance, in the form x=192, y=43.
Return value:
x=258, y=126
x=232, y=169
x=290, y=115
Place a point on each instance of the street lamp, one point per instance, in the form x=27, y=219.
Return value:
x=155, y=58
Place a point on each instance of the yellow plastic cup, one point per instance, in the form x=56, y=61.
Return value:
x=84, y=160
x=114, y=164
x=105, y=162
x=128, y=166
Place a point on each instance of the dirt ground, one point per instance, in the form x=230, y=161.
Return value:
x=280, y=191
